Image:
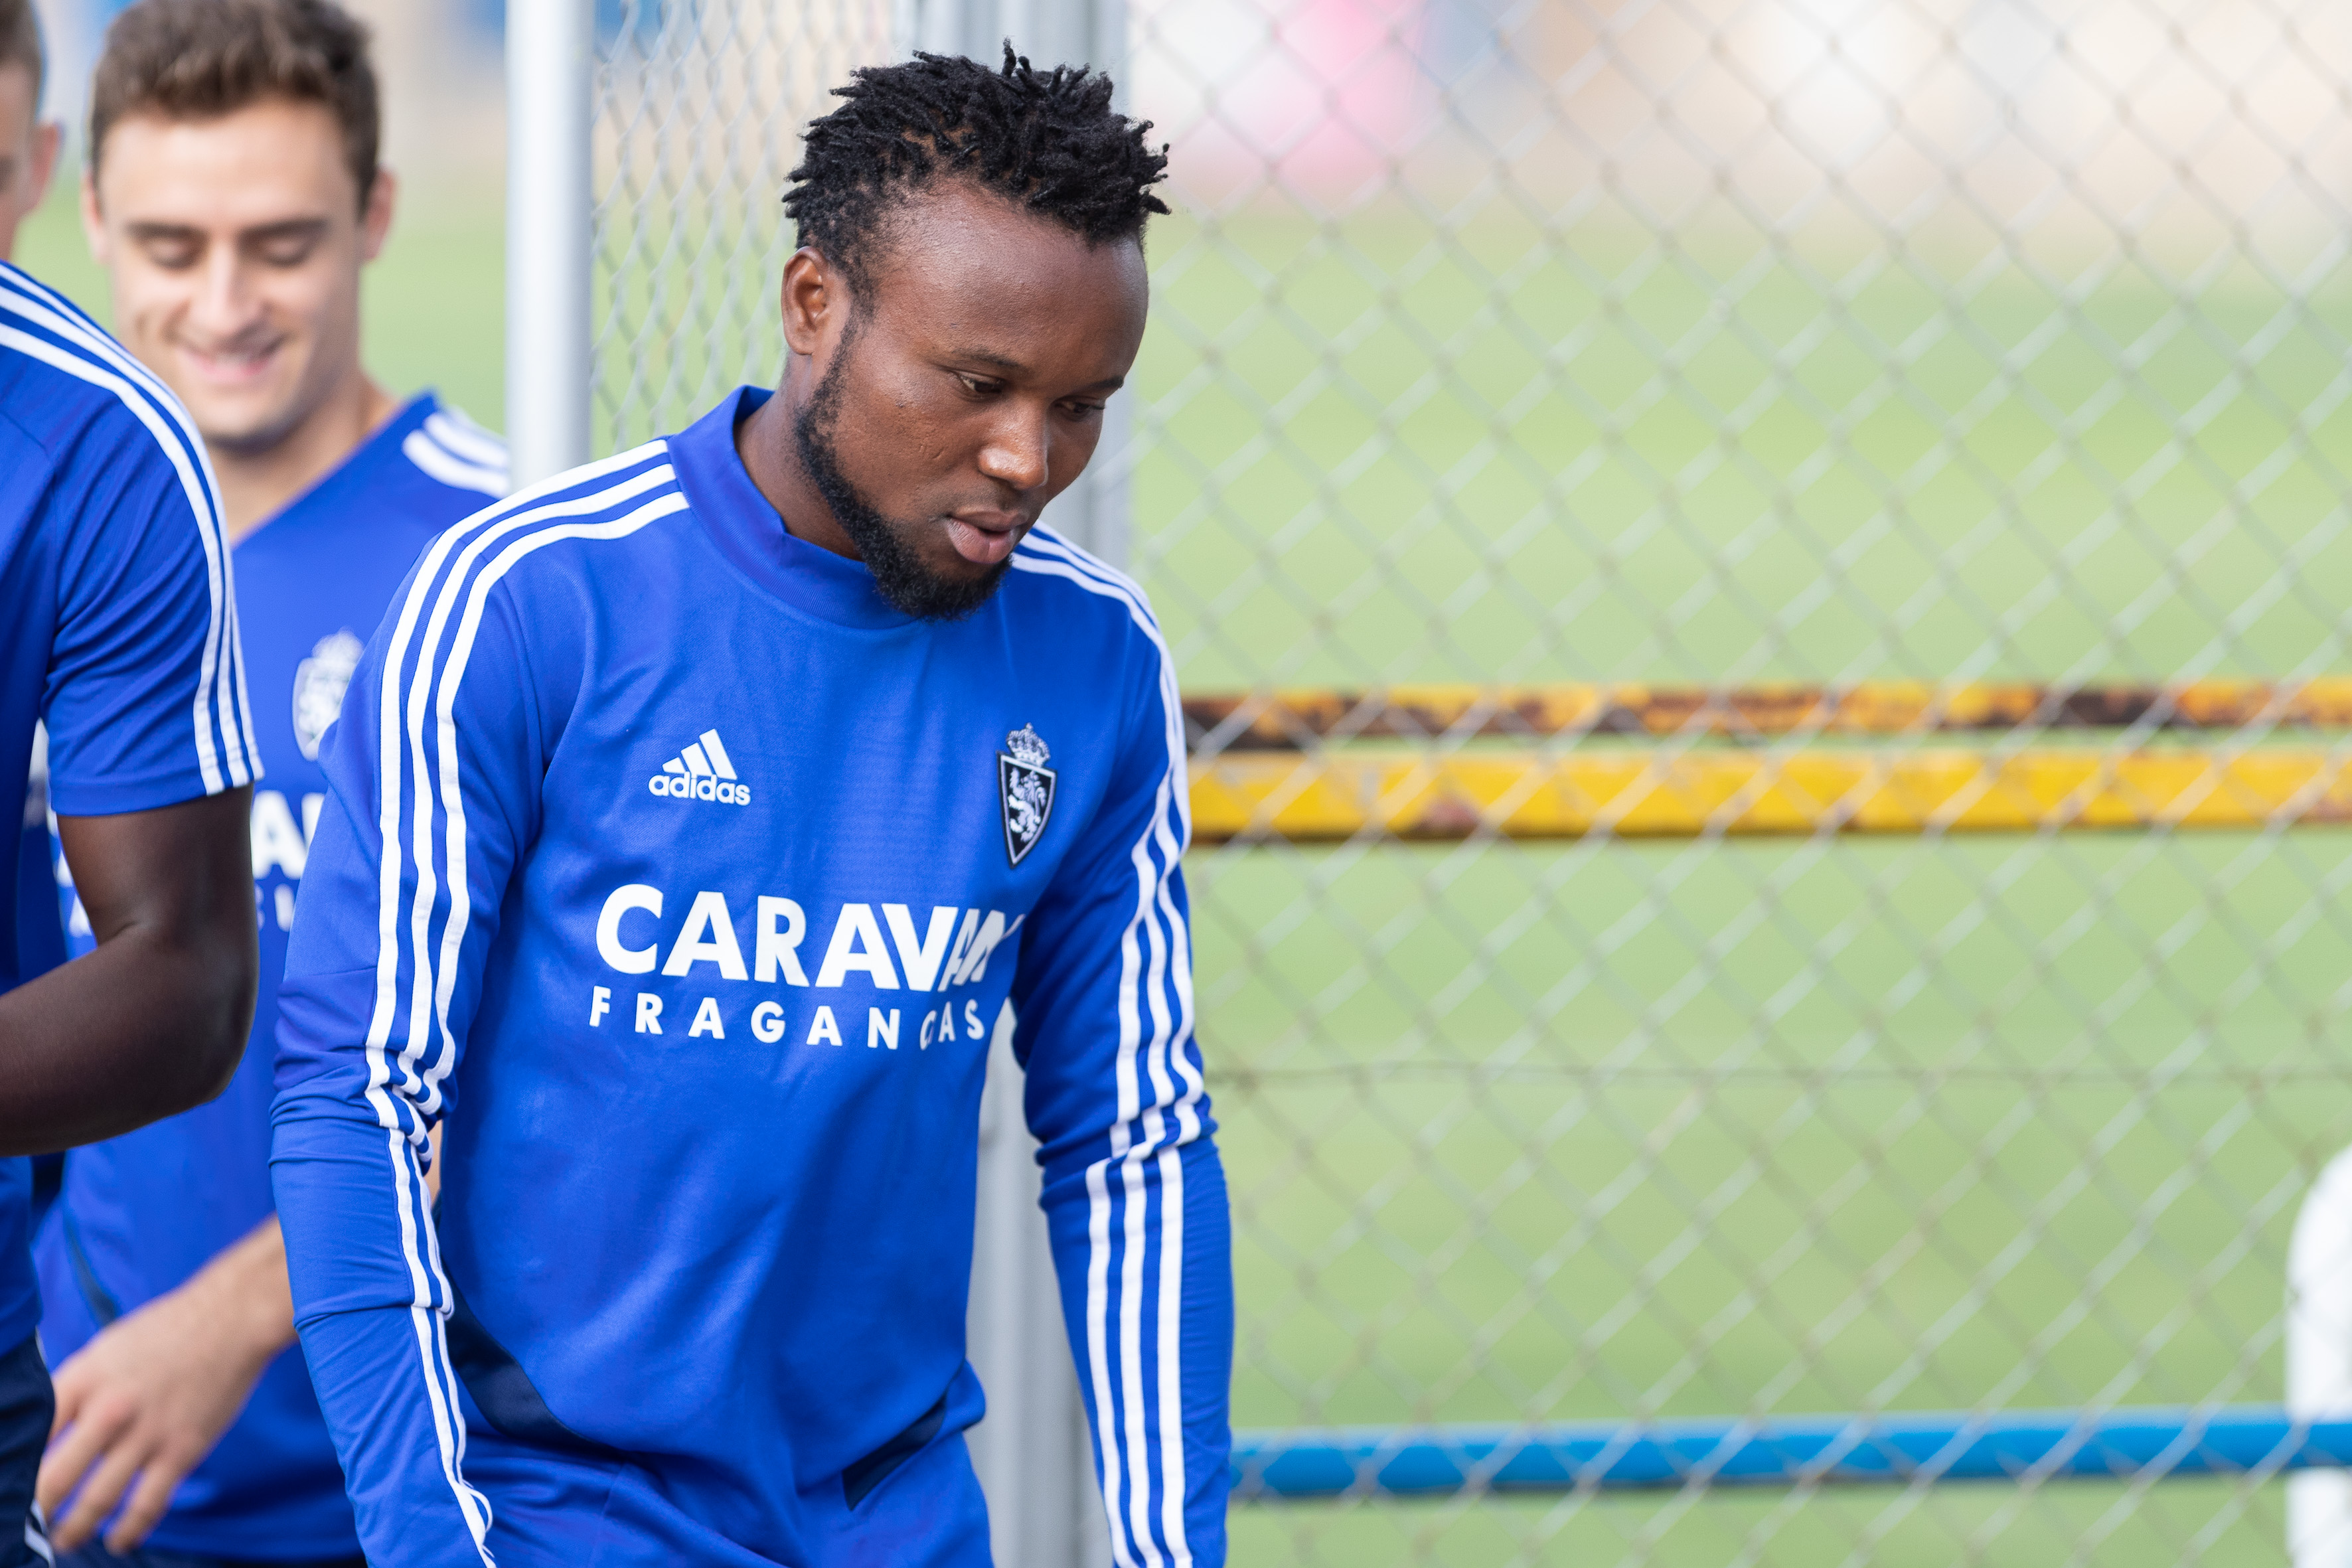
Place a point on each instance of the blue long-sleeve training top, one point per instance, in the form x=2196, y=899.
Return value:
x=687, y=879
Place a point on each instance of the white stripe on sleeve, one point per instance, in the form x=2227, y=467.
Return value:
x=220, y=682
x=537, y=525
x=466, y=438
x=437, y=461
x=1125, y=1445
x=221, y=732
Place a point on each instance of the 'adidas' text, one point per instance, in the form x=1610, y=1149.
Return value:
x=701, y=772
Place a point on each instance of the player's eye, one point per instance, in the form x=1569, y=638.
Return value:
x=978, y=385
x=172, y=256
x=1077, y=410
x=288, y=252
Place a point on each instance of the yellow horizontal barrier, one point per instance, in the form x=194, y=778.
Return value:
x=1287, y=719
x=1640, y=795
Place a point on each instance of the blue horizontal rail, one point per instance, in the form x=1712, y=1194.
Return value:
x=1927, y=1447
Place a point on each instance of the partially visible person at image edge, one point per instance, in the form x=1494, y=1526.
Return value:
x=29, y=159
x=120, y=672
x=234, y=197
x=698, y=813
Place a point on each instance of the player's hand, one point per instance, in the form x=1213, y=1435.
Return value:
x=143, y=1402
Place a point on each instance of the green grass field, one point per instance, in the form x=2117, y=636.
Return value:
x=1614, y=1128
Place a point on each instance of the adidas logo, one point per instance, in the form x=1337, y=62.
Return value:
x=701, y=772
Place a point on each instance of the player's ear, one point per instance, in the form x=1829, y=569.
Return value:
x=93, y=222
x=375, y=214
x=812, y=294
x=46, y=137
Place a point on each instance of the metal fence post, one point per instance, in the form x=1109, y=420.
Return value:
x=551, y=50
x=1032, y=1451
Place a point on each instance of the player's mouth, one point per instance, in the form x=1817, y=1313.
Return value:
x=983, y=535
x=241, y=365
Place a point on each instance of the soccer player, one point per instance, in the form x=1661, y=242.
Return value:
x=695, y=815
x=118, y=632
x=234, y=196
x=28, y=156
x=28, y=144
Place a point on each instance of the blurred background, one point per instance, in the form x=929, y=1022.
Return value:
x=1646, y=352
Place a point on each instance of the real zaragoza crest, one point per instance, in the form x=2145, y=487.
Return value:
x=319, y=682
x=1026, y=786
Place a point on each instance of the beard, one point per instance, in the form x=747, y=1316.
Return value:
x=899, y=575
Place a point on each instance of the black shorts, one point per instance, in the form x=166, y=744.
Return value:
x=26, y=1406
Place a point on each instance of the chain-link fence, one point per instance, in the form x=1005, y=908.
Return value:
x=699, y=109
x=1702, y=343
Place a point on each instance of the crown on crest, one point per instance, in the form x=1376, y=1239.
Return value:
x=1024, y=746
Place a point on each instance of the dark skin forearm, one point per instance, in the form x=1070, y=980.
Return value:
x=154, y=1021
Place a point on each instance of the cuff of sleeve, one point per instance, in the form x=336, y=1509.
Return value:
x=118, y=794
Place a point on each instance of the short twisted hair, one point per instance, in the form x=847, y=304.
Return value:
x=201, y=59
x=1048, y=141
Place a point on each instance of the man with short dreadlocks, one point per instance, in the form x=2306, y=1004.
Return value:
x=694, y=819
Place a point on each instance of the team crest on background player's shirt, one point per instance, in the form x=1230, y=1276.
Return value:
x=1025, y=784
x=319, y=682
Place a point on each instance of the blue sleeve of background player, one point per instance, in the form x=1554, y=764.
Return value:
x=432, y=776
x=145, y=695
x=1134, y=1194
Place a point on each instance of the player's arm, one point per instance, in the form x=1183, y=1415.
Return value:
x=141, y=1403
x=1134, y=1194
x=154, y=1020
x=401, y=896
x=150, y=764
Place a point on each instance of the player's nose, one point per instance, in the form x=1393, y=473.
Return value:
x=226, y=302
x=1018, y=450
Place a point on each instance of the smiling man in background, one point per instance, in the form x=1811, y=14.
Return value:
x=234, y=196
